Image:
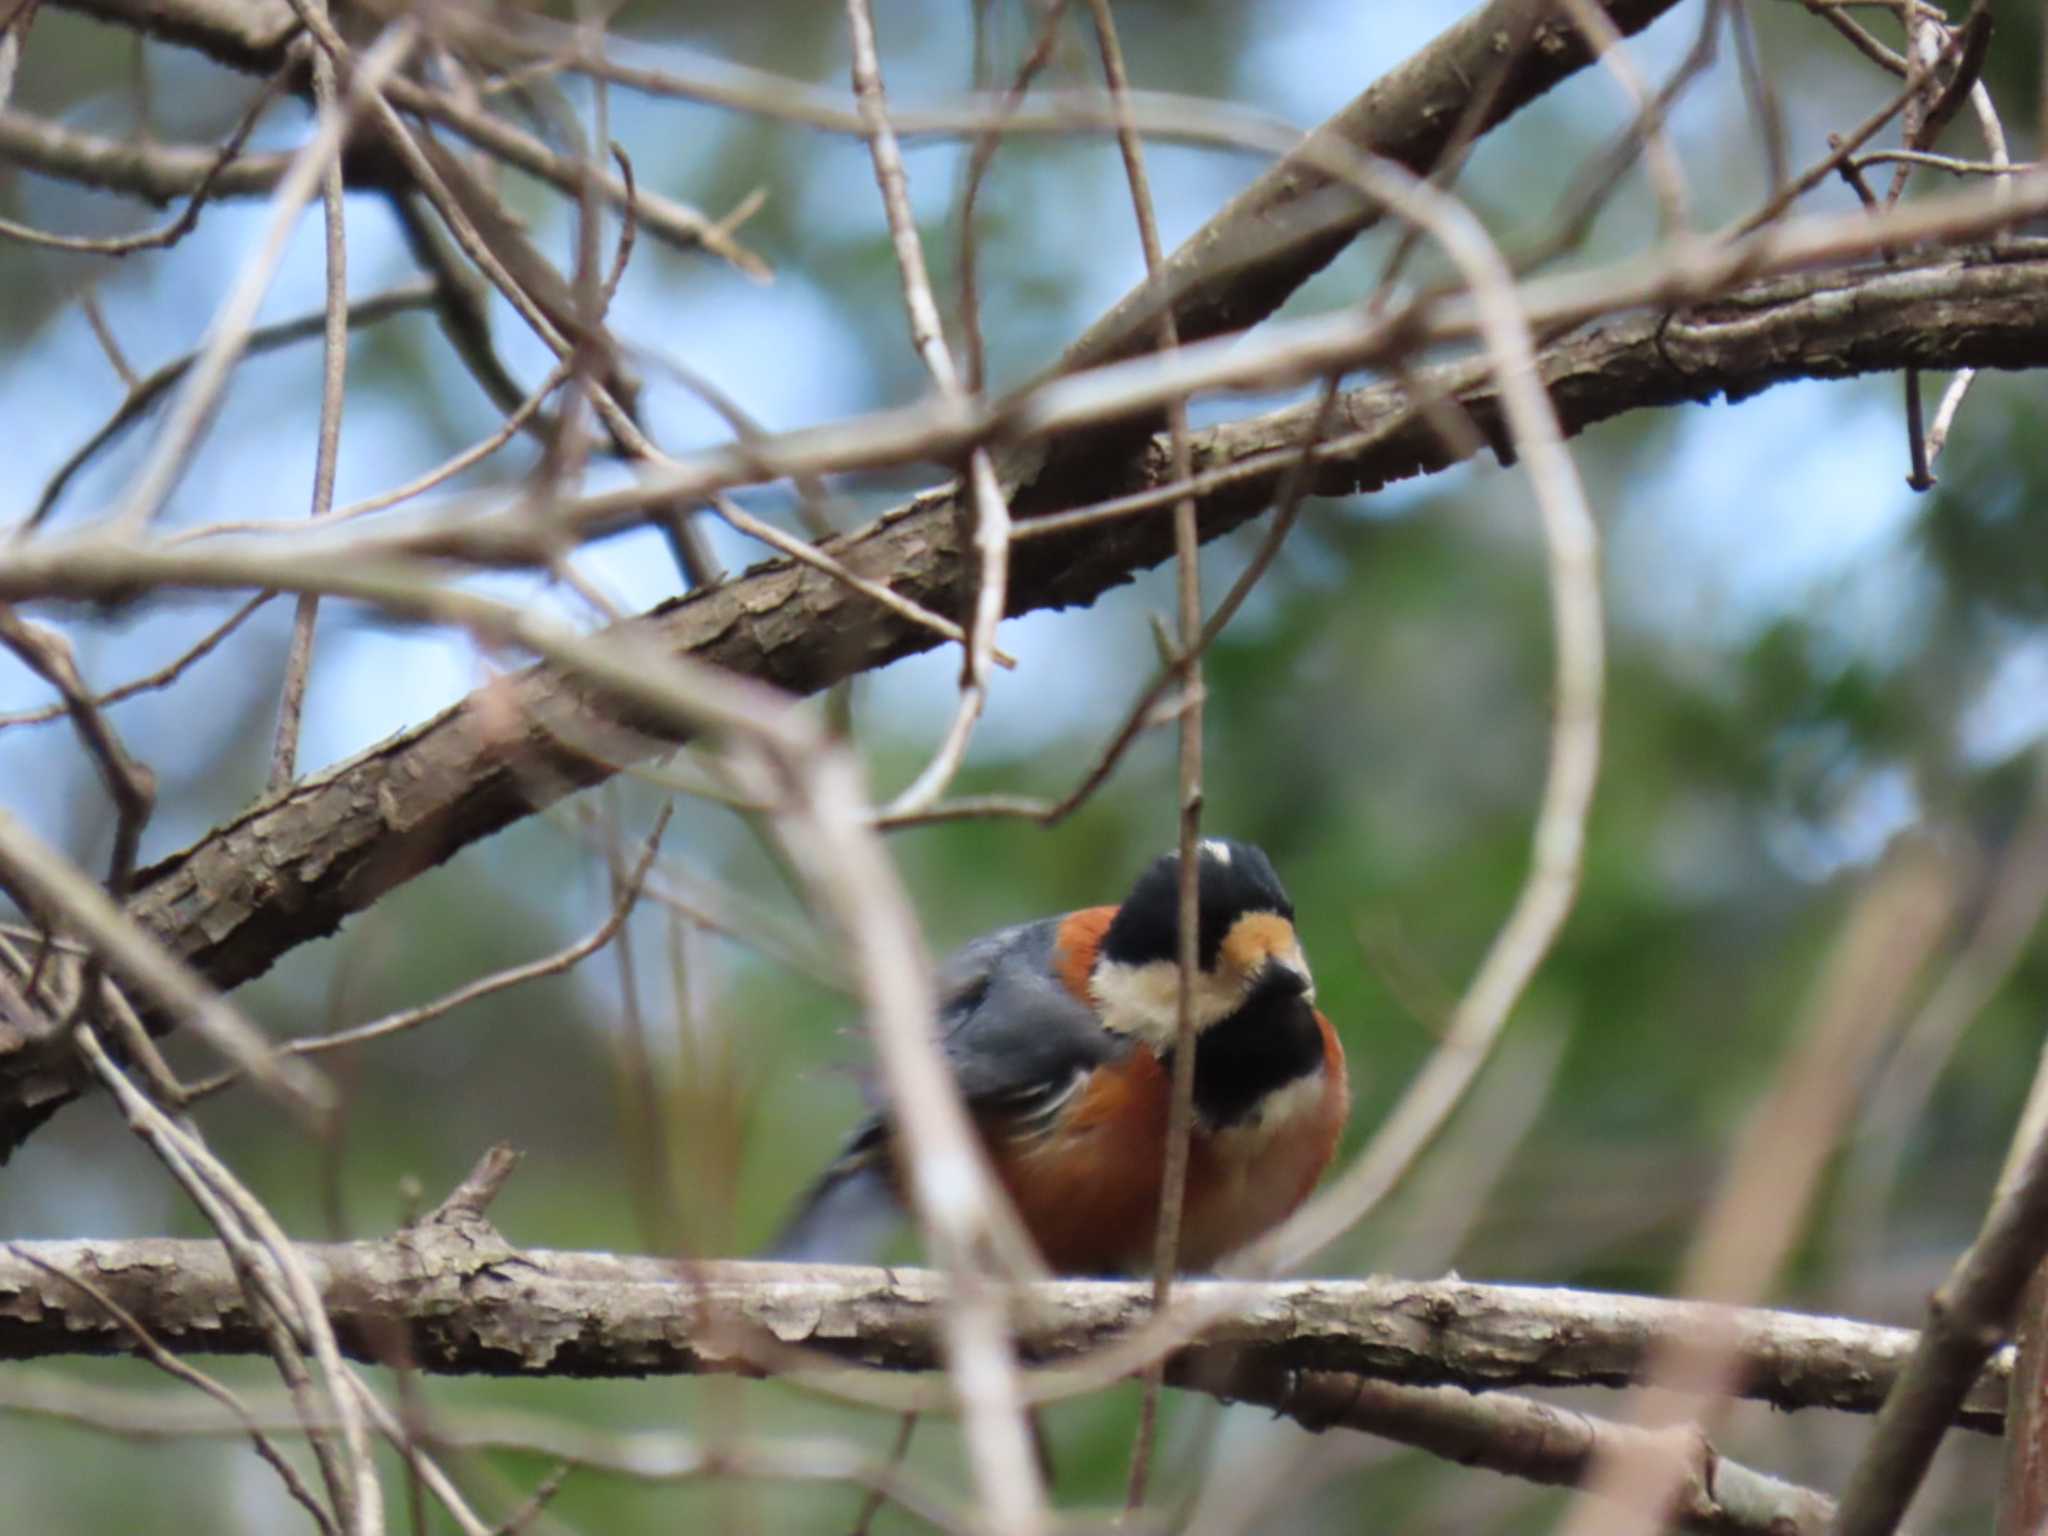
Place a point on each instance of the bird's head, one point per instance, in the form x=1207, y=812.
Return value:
x=1246, y=948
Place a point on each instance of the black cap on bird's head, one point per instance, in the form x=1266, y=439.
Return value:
x=1244, y=937
x=1237, y=879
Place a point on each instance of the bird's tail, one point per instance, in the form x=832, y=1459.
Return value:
x=848, y=1217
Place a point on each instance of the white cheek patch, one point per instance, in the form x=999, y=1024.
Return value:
x=1143, y=1001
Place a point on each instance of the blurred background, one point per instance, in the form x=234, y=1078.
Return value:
x=1811, y=664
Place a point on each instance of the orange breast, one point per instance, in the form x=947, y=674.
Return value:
x=1088, y=1190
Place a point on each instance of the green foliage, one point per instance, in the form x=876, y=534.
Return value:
x=1377, y=720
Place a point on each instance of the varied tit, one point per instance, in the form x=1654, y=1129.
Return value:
x=1061, y=1035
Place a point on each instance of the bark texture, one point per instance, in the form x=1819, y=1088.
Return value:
x=469, y=1302
x=291, y=868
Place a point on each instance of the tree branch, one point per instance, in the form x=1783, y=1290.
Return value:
x=291, y=868
x=471, y=1303
x=1539, y=1442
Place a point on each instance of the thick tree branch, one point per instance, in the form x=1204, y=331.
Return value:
x=470, y=1302
x=292, y=868
x=1290, y=223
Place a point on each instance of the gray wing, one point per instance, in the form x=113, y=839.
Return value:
x=1012, y=1032
x=1020, y=1045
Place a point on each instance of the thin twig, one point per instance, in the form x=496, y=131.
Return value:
x=427, y=161
x=61, y=893
x=1667, y=176
x=129, y=783
x=1815, y=174
x=1917, y=475
x=162, y=677
x=419, y=485
x=187, y=218
x=473, y=991
x=1949, y=163
x=979, y=159
x=298, y=663
x=1146, y=711
x=145, y=392
x=229, y=334
x=871, y=1505
x=743, y=521
x=991, y=514
x=246, y=1227
x=1187, y=670
x=2010, y=912
x=1779, y=1161
x=999, y=1444
x=103, y=333
x=192, y=1376
x=1967, y=1318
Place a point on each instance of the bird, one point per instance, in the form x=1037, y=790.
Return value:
x=1061, y=1034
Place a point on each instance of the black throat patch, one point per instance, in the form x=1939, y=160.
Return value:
x=1273, y=1040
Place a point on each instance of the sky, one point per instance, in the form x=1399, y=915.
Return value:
x=1737, y=525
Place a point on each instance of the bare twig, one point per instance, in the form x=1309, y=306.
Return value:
x=1667, y=176
x=129, y=783
x=535, y=290
x=2010, y=913
x=1917, y=475
x=103, y=333
x=1543, y=1443
x=162, y=677
x=982, y=1365
x=229, y=333
x=479, y=1187
x=192, y=1376
x=419, y=485
x=1842, y=148
x=273, y=1274
x=1187, y=671
x=62, y=895
x=187, y=218
x=674, y=222
x=979, y=160
x=1546, y=897
x=474, y=991
x=991, y=514
x=298, y=663
x=1967, y=1318
x=1761, y=1205
x=743, y=521
x=1949, y=163
x=1858, y=35
x=644, y=1456
x=145, y=392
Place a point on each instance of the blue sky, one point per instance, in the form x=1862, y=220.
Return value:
x=1739, y=521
